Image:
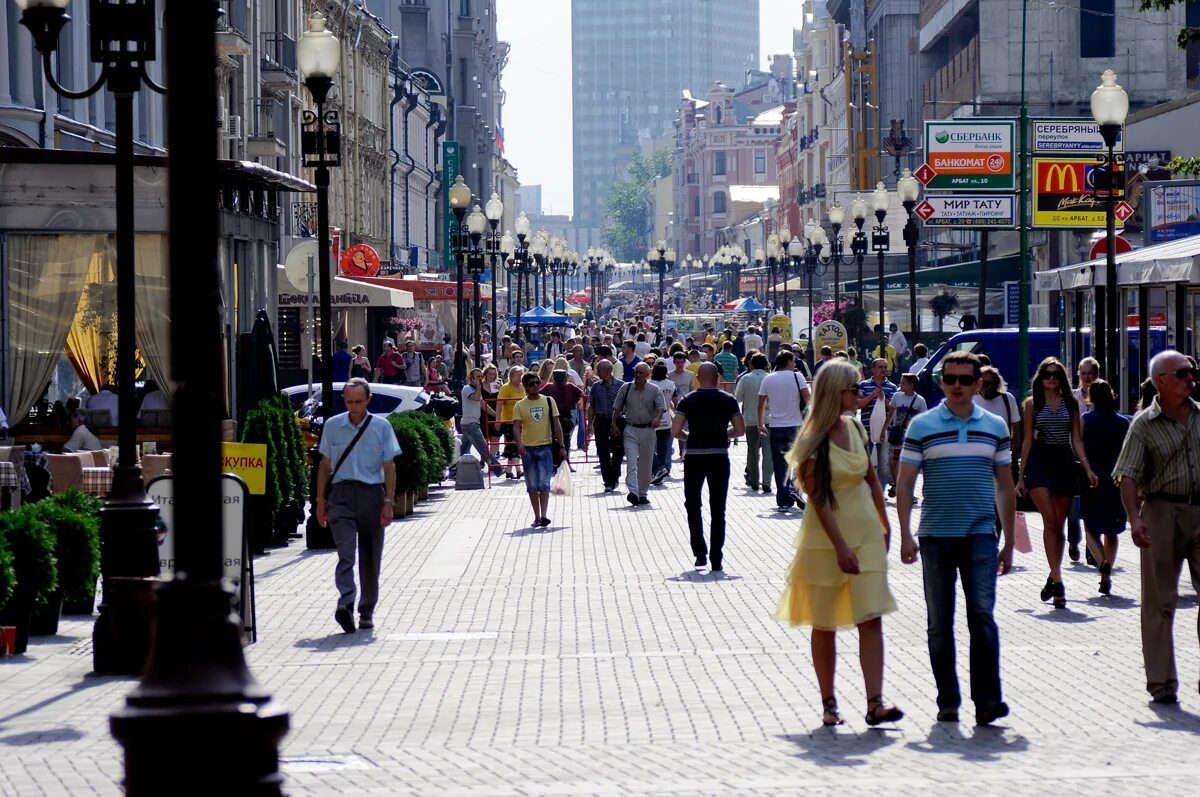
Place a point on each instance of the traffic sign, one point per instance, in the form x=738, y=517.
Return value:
x=1100, y=247
x=970, y=155
x=968, y=211
x=924, y=174
x=1123, y=211
x=1070, y=135
x=1064, y=193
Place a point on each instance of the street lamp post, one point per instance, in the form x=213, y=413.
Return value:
x=661, y=259
x=122, y=41
x=814, y=266
x=519, y=263
x=837, y=247
x=909, y=189
x=494, y=210
x=785, y=258
x=759, y=256
x=1110, y=105
x=858, y=209
x=460, y=200
x=317, y=54
x=773, y=261
x=477, y=223
x=197, y=723
x=881, y=242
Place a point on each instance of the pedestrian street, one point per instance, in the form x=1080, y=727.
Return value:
x=591, y=658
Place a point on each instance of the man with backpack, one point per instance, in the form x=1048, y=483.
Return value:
x=782, y=397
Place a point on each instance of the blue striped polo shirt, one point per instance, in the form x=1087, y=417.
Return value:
x=959, y=460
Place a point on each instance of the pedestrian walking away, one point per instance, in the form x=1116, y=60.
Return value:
x=1100, y=510
x=642, y=406
x=1160, y=462
x=1088, y=372
x=1053, y=441
x=538, y=434
x=965, y=456
x=758, y=445
x=356, y=481
x=715, y=419
x=473, y=410
x=661, y=467
x=781, y=399
x=838, y=577
x=566, y=398
x=604, y=426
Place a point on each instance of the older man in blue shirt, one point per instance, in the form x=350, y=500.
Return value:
x=355, y=484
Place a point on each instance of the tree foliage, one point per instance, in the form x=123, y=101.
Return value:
x=623, y=206
x=1187, y=35
x=942, y=305
x=1185, y=167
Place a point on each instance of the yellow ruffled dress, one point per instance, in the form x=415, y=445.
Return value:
x=819, y=594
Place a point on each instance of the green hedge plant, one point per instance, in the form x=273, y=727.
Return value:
x=75, y=526
x=31, y=543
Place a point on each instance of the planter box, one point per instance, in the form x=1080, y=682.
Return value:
x=46, y=616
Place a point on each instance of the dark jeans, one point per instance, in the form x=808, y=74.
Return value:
x=942, y=559
x=662, y=450
x=697, y=469
x=781, y=443
x=609, y=449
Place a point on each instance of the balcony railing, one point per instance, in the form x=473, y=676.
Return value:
x=954, y=84
x=279, y=52
x=236, y=17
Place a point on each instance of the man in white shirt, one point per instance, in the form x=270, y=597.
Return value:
x=783, y=394
x=899, y=343
x=641, y=347
x=754, y=341
x=106, y=399
x=921, y=353
x=81, y=438
x=154, y=399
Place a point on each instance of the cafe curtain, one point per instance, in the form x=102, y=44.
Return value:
x=46, y=275
x=85, y=341
x=153, y=309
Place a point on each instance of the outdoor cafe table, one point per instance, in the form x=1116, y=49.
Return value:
x=97, y=480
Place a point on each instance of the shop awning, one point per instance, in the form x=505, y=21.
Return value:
x=1173, y=261
x=958, y=275
x=347, y=292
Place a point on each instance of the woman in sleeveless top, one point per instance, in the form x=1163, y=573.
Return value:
x=360, y=365
x=1051, y=455
x=838, y=578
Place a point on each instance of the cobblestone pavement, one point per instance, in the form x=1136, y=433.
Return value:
x=591, y=658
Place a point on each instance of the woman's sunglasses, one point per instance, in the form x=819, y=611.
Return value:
x=966, y=380
x=1056, y=375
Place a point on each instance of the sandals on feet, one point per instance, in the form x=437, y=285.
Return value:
x=1106, y=578
x=1060, y=595
x=831, y=717
x=878, y=712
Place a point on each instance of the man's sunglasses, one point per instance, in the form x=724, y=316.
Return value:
x=966, y=380
x=1185, y=373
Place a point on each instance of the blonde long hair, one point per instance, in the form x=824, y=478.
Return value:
x=834, y=377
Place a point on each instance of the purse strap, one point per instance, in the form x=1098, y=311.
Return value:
x=350, y=447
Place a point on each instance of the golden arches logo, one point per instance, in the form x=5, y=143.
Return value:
x=1064, y=172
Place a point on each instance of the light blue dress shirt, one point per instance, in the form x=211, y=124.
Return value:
x=365, y=463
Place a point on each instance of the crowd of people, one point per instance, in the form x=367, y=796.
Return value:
x=837, y=446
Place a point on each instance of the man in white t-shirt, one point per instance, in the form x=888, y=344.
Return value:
x=898, y=342
x=921, y=353
x=783, y=394
x=753, y=340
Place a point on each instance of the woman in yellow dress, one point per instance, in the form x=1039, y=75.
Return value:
x=838, y=578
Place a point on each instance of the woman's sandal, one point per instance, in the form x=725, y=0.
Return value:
x=1106, y=578
x=831, y=716
x=1060, y=595
x=878, y=713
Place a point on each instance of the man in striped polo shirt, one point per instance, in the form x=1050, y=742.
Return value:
x=965, y=454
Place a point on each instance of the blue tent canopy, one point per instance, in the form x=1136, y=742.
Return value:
x=540, y=316
x=751, y=305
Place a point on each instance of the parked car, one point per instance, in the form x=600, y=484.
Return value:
x=385, y=399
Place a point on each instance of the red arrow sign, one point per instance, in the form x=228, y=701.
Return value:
x=924, y=210
x=1123, y=211
x=925, y=174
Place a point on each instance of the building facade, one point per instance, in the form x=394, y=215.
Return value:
x=630, y=63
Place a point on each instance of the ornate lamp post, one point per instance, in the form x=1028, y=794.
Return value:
x=814, y=266
x=1110, y=105
x=122, y=41
x=837, y=248
x=858, y=209
x=661, y=259
x=881, y=242
x=772, y=261
x=494, y=210
x=909, y=189
x=520, y=264
x=460, y=200
x=477, y=223
x=198, y=719
x=505, y=247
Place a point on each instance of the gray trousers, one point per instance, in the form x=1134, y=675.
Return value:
x=758, y=457
x=354, y=509
x=639, y=456
x=472, y=437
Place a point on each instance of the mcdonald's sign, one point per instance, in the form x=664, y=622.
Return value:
x=1069, y=192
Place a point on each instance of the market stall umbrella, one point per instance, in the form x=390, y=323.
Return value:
x=258, y=365
x=751, y=305
x=562, y=307
x=541, y=317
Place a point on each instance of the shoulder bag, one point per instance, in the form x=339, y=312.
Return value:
x=799, y=393
x=346, y=453
x=899, y=426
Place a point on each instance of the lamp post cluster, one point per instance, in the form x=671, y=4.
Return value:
x=518, y=260
x=475, y=241
x=599, y=261
x=729, y=260
x=661, y=259
x=1110, y=106
x=776, y=259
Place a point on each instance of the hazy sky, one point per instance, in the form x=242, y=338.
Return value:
x=537, y=82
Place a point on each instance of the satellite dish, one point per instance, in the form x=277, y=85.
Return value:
x=296, y=265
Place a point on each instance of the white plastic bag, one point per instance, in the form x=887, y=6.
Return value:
x=878, y=420
x=561, y=485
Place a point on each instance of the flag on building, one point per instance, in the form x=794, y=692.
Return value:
x=499, y=138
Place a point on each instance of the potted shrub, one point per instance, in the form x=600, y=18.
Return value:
x=74, y=519
x=8, y=578
x=409, y=469
x=445, y=440
x=429, y=457
x=28, y=539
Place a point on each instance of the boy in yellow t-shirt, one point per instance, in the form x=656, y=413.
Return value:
x=535, y=422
